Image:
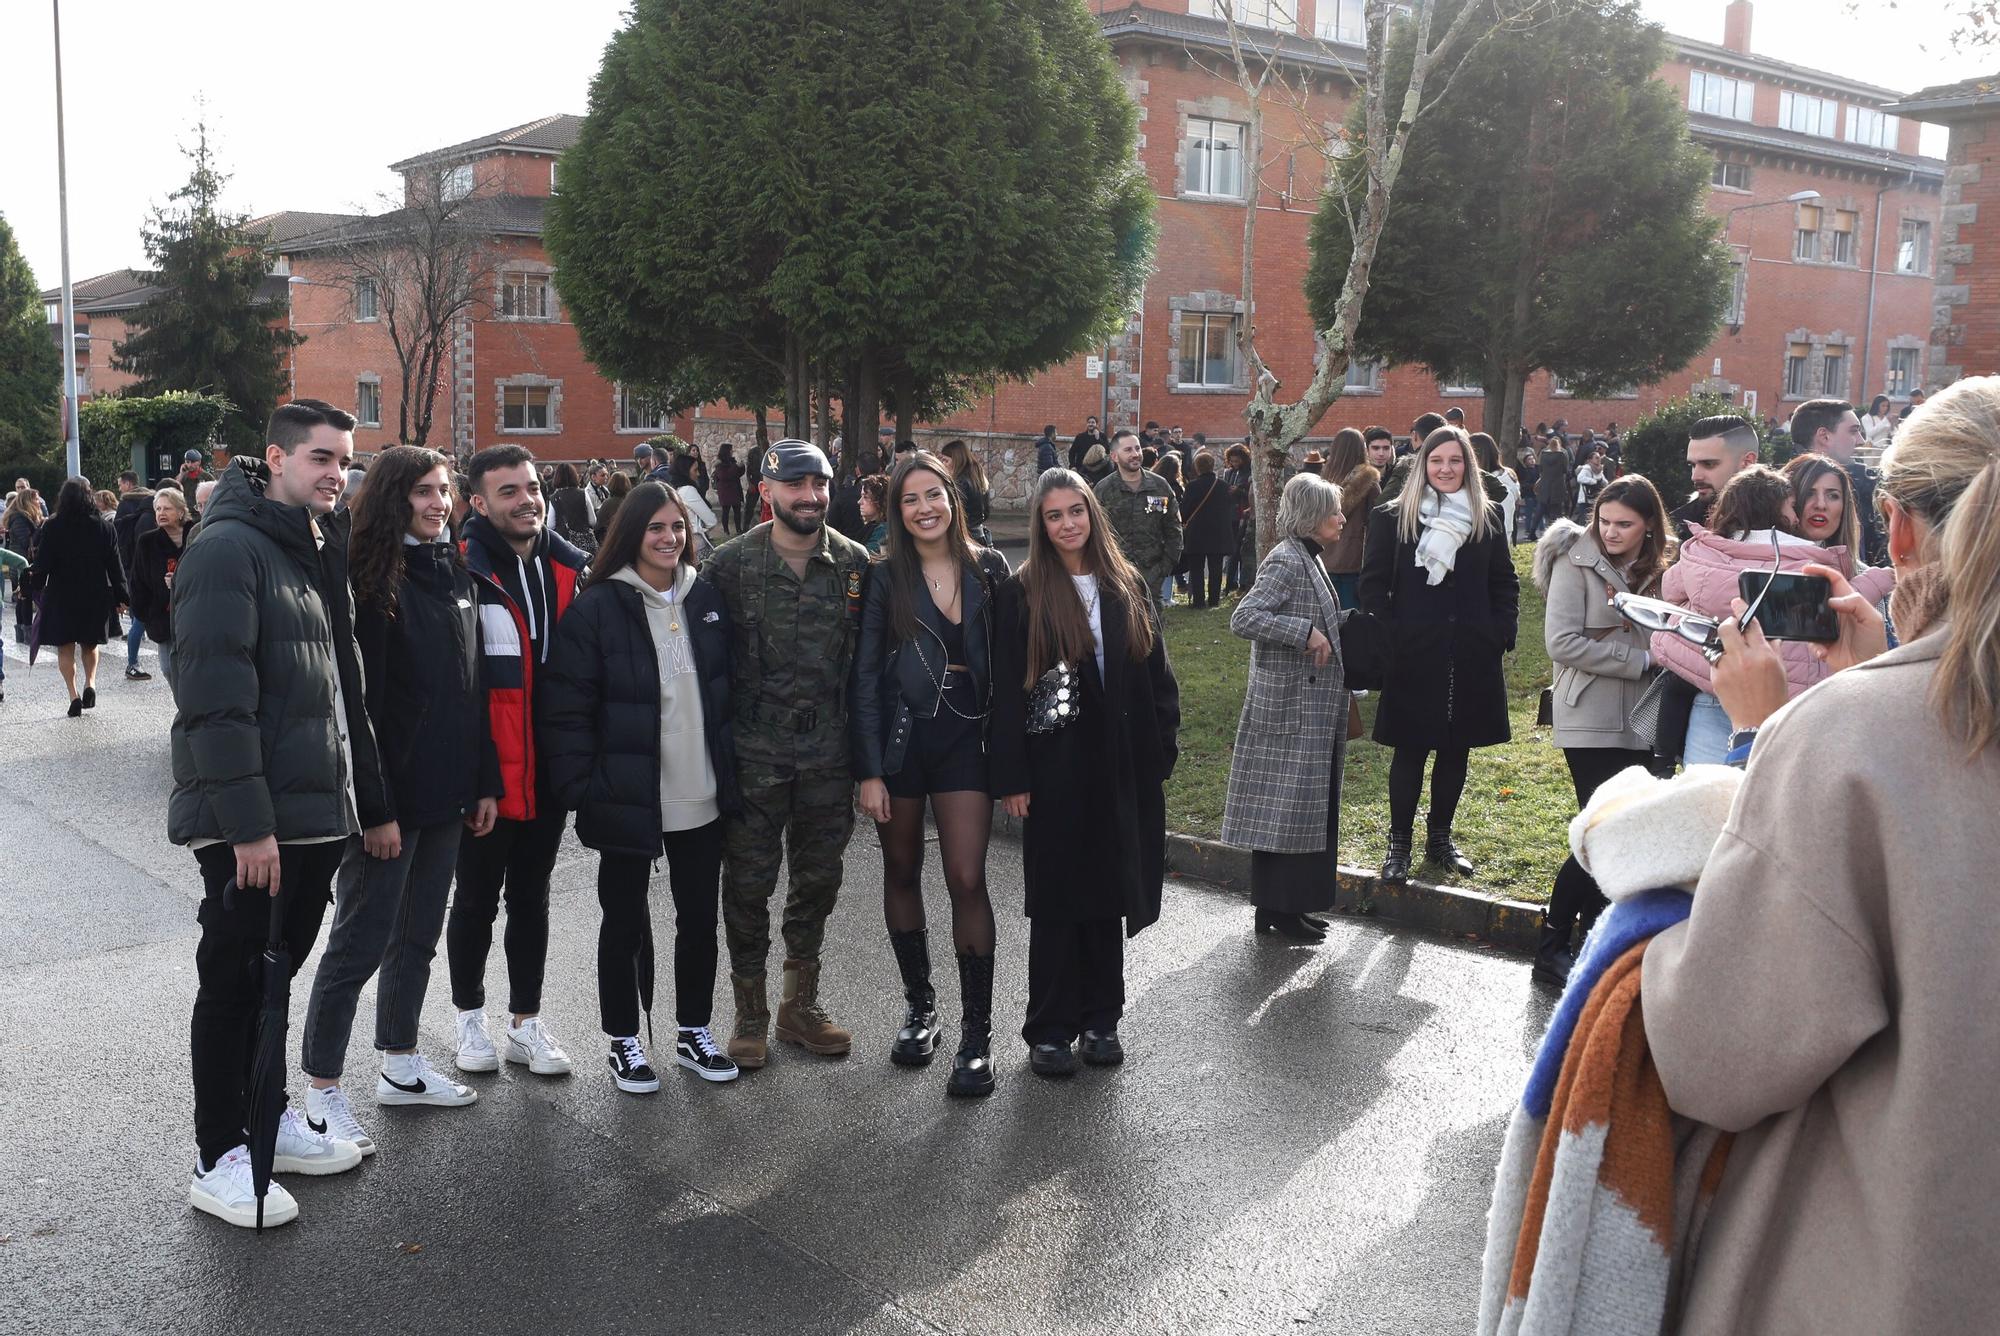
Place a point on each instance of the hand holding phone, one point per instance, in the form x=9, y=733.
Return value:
x=1790, y=606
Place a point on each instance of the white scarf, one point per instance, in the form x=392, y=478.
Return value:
x=1446, y=525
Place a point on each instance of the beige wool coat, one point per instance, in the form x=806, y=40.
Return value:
x=1834, y=999
x=1597, y=656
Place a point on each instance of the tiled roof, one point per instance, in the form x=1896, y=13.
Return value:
x=550, y=134
x=289, y=225
x=507, y=215
x=1940, y=101
x=128, y=290
x=1722, y=130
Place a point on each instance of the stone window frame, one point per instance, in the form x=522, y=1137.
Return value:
x=1203, y=304
x=1927, y=265
x=1815, y=368
x=367, y=380
x=1739, y=287
x=618, y=426
x=373, y=306
x=1219, y=109
x=1903, y=343
x=527, y=381
x=524, y=269
x=1828, y=207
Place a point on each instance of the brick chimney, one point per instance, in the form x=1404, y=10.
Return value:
x=1736, y=26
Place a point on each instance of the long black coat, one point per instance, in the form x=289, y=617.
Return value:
x=1208, y=518
x=597, y=713
x=1094, y=845
x=154, y=555
x=77, y=571
x=1447, y=688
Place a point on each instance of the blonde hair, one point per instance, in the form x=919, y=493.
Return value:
x=172, y=496
x=1409, y=512
x=1944, y=469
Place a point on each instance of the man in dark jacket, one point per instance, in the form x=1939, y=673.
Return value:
x=1046, y=457
x=1718, y=449
x=272, y=756
x=133, y=517
x=1079, y=445
x=526, y=577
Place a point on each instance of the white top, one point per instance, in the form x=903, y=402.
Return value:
x=687, y=775
x=1086, y=589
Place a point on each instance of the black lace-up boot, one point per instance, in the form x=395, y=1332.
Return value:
x=916, y=1042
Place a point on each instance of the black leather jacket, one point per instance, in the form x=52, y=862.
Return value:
x=896, y=682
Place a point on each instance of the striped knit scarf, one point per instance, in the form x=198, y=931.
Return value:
x=1602, y=1190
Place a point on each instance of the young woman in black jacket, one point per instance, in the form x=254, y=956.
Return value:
x=416, y=625
x=1437, y=568
x=922, y=689
x=633, y=722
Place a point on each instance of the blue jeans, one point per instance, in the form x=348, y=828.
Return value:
x=135, y=636
x=166, y=653
x=1708, y=732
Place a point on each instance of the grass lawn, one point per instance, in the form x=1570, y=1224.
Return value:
x=1513, y=822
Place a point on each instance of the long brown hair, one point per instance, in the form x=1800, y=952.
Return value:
x=382, y=514
x=620, y=547
x=1058, y=626
x=906, y=566
x=1348, y=452
x=1804, y=473
x=1753, y=499
x=1635, y=491
x=966, y=465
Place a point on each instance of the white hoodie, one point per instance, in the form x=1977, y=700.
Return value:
x=687, y=775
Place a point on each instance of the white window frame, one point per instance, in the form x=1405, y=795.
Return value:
x=1846, y=241
x=1873, y=127
x=1913, y=246
x=1448, y=387
x=1798, y=371
x=1805, y=242
x=1739, y=291
x=1719, y=177
x=1714, y=94
x=1349, y=21
x=1900, y=384
x=625, y=403
x=1211, y=325
x=552, y=177
x=367, y=300
x=1204, y=131
x=1369, y=370
x=517, y=286
x=1809, y=114
x=455, y=183
x=1250, y=13
x=1832, y=366
x=548, y=405
x=364, y=390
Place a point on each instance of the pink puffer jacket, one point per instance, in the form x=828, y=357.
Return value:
x=1704, y=580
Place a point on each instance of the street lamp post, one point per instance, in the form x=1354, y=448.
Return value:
x=72, y=437
x=1729, y=219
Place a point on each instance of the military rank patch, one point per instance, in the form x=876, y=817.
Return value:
x=854, y=593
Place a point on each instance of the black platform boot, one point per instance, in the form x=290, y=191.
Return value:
x=1553, y=960
x=917, y=1040
x=1396, y=864
x=972, y=1069
x=1440, y=850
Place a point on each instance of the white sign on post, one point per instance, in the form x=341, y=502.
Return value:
x=1093, y=367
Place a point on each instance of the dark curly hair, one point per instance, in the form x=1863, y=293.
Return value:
x=381, y=517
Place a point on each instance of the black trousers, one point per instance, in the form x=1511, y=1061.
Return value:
x=1576, y=895
x=229, y=973
x=1406, y=786
x=1205, y=566
x=694, y=871
x=513, y=859
x=1076, y=978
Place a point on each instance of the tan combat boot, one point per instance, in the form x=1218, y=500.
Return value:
x=748, y=1047
x=800, y=1020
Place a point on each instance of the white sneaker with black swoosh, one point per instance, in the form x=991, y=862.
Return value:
x=409, y=1078
x=329, y=1114
x=303, y=1151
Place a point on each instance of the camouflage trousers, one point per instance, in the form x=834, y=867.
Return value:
x=802, y=817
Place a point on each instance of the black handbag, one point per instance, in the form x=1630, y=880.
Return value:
x=1366, y=654
x=1054, y=700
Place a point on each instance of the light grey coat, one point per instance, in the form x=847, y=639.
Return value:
x=1292, y=738
x=1599, y=658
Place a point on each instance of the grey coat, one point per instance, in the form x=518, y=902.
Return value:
x=1292, y=738
x=1598, y=657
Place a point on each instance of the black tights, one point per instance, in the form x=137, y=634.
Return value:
x=965, y=826
x=1406, y=786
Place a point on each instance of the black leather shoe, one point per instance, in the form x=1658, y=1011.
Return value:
x=916, y=1042
x=1294, y=926
x=1052, y=1060
x=1553, y=960
x=972, y=1068
x=75, y=708
x=1439, y=849
x=1396, y=863
x=1315, y=921
x=1101, y=1048
x=90, y=698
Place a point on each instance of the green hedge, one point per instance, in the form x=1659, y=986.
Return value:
x=170, y=423
x=1657, y=445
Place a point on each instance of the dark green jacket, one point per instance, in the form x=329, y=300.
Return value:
x=263, y=627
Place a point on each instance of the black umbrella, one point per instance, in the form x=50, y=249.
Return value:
x=267, y=1068
x=644, y=962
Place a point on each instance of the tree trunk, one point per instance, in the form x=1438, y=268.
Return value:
x=763, y=416
x=904, y=387
x=864, y=415
x=795, y=387
x=822, y=405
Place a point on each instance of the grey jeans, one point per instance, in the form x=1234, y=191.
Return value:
x=387, y=913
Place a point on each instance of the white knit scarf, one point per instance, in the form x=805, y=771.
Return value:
x=1447, y=524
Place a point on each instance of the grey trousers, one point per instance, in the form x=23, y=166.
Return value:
x=387, y=914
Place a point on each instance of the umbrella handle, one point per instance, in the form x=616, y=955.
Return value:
x=276, y=938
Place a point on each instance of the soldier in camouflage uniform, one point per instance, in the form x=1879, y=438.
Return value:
x=1143, y=514
x=793, y=587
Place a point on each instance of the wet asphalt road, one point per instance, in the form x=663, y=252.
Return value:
x=1302, y=1140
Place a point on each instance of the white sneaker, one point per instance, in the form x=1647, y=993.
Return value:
x=304, y=1151
x=475, y=1050
x=226, y=1193
x=532, y=1045
x=329, y=1114
x=409, y=1078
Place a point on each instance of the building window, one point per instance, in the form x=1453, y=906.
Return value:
x=524, y=296
x=1730, y=176
x=455, y=183
x=552, y=177
x=1364, y=377
x=1739, y=290
x=1903, y=371
x=1833, y=373
x=1716, y=95
x=637, y=412
x=1844, y=225
x=1460, y=382
x=367, y=301
x=1214, y=158
x=368, y=403
x=1798, y=359
x=1913, y=247
x=1807, y=114
x=1343, y=21
x=1806, y=245
x=1208, y=350
x=1249, y=13
x=524, y=408
x=1876, y=129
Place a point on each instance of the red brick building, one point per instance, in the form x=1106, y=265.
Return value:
x=1965, y=329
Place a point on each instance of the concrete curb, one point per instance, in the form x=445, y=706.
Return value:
x=1510, y=925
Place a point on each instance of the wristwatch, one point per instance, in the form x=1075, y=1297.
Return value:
x=1742, y=737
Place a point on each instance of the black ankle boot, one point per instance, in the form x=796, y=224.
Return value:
x=1439, y=849
x=917, y=1040
x=1553, y=960
x=972, y=1069
x=1396, y=865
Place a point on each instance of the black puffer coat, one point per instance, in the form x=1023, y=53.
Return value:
x=597, y=713
x=1447, y=688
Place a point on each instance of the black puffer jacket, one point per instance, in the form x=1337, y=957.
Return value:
x=256, y=750
x=422, y=672
x=597, y=713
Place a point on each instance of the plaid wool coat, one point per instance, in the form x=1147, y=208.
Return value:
x=1292, y=738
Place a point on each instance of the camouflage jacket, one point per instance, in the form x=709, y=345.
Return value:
x=1147, y=522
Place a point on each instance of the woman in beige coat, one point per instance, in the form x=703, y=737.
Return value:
x=1833, y=998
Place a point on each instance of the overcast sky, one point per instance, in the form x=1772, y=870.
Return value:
x=306, y=113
